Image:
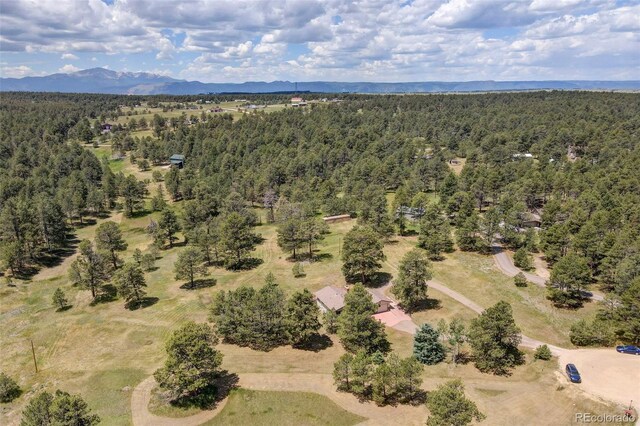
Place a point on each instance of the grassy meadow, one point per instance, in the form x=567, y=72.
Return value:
x=104, y=350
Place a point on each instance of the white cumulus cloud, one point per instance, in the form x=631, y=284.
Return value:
x=68, y=69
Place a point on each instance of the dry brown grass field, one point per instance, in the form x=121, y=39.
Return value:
x=103, y=351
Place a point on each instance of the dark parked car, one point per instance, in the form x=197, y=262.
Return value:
x=573, y=374
x=628, y=349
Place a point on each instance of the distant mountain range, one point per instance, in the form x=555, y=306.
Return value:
x=101, y=80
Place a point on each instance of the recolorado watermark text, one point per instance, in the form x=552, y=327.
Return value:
x=604, y=418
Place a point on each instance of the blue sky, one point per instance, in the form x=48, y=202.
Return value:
x=339, y=40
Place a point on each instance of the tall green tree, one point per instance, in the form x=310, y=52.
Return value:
x=109, y=238
x=169, y=225
x=361, y=254
x=627, y=314
x=189, y=265
x=569, y=277
x=490, y=226
x=270, y=326
x=342, y=373
x=468, y=234
x=313, y=232
x=357, y=329
x=435, y=233
x=411, y=285
x=302, y=317
x=89, y=270
x=192, y=361
x=448, y=406
x=494, y=339
x=52, y=222
x=374, y=211
x=132, y=193
x=237, y=240
x=290, y=235
x=130, y=282
x=456, y=336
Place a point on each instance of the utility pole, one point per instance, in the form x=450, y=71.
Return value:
x=33, y=352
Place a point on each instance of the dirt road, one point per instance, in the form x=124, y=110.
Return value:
x=505, y=264
x=141, y=416
x=294, y=382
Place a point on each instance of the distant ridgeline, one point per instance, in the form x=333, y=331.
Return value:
x=100, y=80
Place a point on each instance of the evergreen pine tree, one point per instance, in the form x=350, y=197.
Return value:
x=427, y=347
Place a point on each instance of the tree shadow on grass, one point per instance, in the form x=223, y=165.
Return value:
x=85, y=222
x=140, y=213
x=316, y=343
x=321, y=257
x=57, y=256
x=65, y=308
x=198, y=284
x=211, y=395
x=246, y=264
x=107, y=294
x=144, y=303
x=380, y=279
x=426, y=304
x=463, y=358
x=418, y=398
x=26, y=272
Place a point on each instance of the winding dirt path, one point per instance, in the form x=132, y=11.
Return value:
x=293, y=382
x=607, y=374
x=505, y=264
x=141, y=416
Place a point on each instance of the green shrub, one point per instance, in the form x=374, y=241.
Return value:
x=298, y=270
x=520, y=280
x=595, y=333
x=542, y=352
x=521, y=259
x=9, y=389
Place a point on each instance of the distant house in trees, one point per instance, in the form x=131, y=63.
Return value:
x=531, y=220
x=105, y=128
x=411, y=213
x=332, y=298
x=297, y=101
x=519, y=156
x=177, y=160
x=336, y=219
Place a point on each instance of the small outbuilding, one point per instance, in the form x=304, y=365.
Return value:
x=531, y=220
x=337, y=218
x=177, y=160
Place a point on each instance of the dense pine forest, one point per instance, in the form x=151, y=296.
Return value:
x=472, y=170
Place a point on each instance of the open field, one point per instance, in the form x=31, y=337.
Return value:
x=236, y=109
x=85, y=348
x=104, y=351
x=247, y=407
